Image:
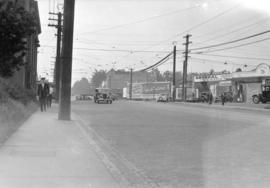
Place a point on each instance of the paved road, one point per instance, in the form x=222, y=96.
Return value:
x=173, y=145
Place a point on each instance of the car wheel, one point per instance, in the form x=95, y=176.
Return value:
x=256, y=99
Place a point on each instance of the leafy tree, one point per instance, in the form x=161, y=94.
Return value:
x=156, y=75
x=98, y=77
x=238, y=70
x=81, y=87
x=168, y=76
x=16, y=24
x=212, y=71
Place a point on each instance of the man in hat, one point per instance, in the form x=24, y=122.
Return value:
x=43, y=91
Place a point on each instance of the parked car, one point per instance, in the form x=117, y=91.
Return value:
x=262, y=97
x=103, y=98
x=164, y=97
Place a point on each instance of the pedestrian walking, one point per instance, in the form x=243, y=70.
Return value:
x=223, y=98
x=210, y=98
x=49, y=97
x=43, y=91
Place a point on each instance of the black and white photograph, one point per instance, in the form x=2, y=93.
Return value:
x=134, y=93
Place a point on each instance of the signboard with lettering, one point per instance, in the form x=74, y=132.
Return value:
x=212, y=77
x=225, y=83
x=156, y=87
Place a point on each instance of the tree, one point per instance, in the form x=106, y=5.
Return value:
x=168, y=76
x=81, y=87
x=156, y=75
x=212, y=71
x=98, y=77
x=238, y=70
x=16, y=24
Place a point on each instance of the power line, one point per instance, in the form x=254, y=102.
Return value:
x=215, y=61
x=237, y=57
x=198, y=25
x=193, y=27
x=225, y=28
x=140, y=21
x=233, y=41
x=113, y=44
x=116, y=50
x=246, y=44
x=212, y=18
x=233, y=31
x=158, y=63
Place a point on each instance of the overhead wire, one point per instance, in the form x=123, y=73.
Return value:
x=115, y=50
x=236, y=57
x=233, y=41
x=141, y=20
x=225, y=27
x=233, y=31
x=159, y=62
x=191, y=28
x=198, y=25
x=241, y=45
x=217, y=61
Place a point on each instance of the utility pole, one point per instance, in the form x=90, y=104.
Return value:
x=66, y=61
x=184, y=82
x=130, y=84
x=174, y=67
x=58, y=52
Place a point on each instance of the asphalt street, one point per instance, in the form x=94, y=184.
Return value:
x=176, y=145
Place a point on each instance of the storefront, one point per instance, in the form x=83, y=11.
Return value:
x=246, y=84
x=242, y=85
x=215, y=83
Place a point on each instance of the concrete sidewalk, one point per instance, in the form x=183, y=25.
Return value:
x=47, y=153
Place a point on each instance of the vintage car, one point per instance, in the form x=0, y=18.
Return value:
x=164, y=97
x=262, y=97
x=102, y=98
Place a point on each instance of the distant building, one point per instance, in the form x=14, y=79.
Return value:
x=117, y=80
x=26, y=77
x=242, y=84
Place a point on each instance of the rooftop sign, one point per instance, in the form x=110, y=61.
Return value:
x=212, y=77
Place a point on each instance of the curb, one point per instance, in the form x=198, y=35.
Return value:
x=263, y=109
x=206, y=105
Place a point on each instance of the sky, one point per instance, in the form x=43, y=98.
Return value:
x=125, y=34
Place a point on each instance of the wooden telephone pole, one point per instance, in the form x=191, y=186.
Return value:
x=184, y=82
x=130, y=84
x=66, y=61
x=58, y=26
x=174, y=67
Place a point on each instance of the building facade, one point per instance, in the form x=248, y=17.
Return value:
x=246, y=84
x=243, y=85
x=117, y=80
